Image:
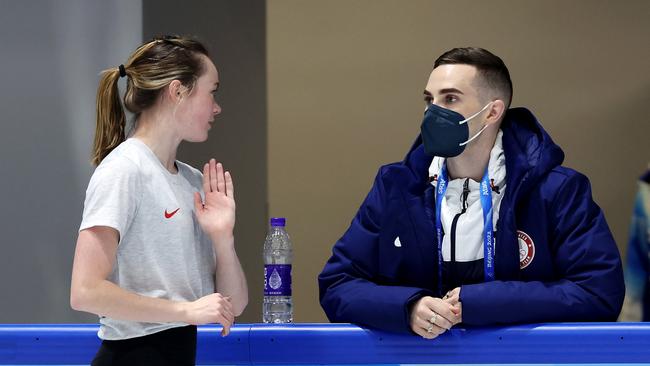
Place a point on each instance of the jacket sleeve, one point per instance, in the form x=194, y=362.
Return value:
x=587, y=263
x=349, y=289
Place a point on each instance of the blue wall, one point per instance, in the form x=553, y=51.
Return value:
x=303, y=344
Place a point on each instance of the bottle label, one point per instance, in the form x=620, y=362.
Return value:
x=277, y=280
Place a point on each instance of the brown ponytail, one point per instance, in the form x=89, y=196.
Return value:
x=111, y=121
x=152, y=67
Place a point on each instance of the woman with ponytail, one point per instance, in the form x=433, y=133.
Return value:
x=155, y=254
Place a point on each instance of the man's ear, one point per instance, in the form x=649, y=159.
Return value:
x=496, y=112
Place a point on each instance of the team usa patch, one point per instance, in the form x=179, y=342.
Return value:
x=526, y=249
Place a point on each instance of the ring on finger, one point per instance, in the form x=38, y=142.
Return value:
x=430, y=328
x=433, y=318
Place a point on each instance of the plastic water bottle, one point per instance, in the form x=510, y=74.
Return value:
x=277, y=306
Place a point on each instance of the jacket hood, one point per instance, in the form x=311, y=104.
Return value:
x=530, y=152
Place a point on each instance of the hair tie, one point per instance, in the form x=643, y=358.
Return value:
x=122, y=71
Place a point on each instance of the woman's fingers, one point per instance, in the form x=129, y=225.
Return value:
x=206, y=178
x=225, y=307
x=225, y=331
x=226, y=325
x=213, y=176
x=230, y=187
x=221, y=180
x=216, y=179
x=228, y=312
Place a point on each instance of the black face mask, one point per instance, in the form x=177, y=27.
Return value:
x=445, y=132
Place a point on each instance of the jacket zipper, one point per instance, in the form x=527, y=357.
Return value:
x=454, y=272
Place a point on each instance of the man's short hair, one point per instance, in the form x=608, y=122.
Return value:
x=491, y=69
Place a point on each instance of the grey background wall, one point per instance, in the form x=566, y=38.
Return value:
x=345, y=96
x=52, y=53
x=316, y=96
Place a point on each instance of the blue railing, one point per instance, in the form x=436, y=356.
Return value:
x=303, y=344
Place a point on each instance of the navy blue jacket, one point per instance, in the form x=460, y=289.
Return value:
x=575, y=275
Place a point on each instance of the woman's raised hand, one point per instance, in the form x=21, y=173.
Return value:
x=216, y=214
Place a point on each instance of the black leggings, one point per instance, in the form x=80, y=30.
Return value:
x=176, y=346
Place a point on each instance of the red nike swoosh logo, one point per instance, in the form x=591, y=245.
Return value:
x=168, y=215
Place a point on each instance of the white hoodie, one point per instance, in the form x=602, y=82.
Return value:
x=469, y=228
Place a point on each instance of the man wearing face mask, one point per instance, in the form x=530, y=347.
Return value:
x=479, y=224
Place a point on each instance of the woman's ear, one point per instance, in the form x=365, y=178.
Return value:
x=175, y=91
x=497, y=111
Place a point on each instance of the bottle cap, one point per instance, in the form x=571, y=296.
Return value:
x=278, y=221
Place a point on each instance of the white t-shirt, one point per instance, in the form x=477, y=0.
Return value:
x=162, y=251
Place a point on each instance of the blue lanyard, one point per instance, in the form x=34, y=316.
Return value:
x=488, y=235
